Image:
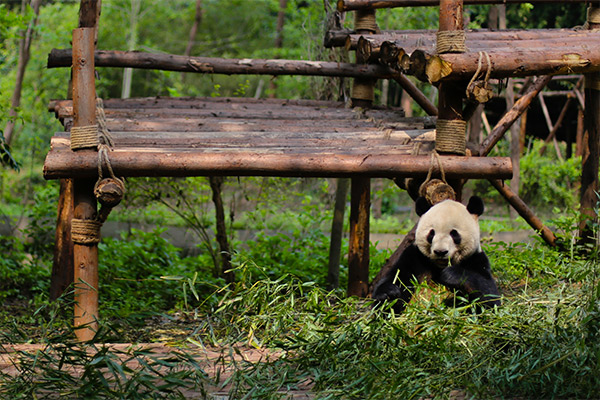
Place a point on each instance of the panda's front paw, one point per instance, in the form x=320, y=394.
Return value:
x=387, y=291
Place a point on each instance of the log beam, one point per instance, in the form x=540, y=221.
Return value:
x=61, y=163
x=351, y=5
x=513, y=114
x=591, y=146
x=207, y=65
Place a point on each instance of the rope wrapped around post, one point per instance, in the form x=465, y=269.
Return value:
x=450, y=136
x=109, y=191
x=451, y=42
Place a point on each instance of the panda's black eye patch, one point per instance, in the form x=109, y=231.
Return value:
x=455, y=236
x=430, y=236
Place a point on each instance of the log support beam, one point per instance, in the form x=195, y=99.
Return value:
x=85, y=256
x=358, y=256
x=591, y=146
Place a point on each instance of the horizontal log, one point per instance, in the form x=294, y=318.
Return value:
x=584, y=58
x=421, y=38
x=64, y=163
x=207, y=65
x=351, y=5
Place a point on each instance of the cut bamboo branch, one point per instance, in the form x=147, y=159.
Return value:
x=206, y=65
x=350, y=5
x=511, y=116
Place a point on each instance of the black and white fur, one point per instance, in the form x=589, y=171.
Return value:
x=446, y=250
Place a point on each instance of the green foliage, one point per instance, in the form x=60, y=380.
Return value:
x=138, y=275
x=548, y=182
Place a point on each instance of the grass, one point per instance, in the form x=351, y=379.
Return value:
x=542, y=343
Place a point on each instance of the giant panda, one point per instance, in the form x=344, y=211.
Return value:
x=446, y=250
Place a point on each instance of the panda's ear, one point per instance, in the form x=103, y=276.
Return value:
x=475, y=205
x=422, y=206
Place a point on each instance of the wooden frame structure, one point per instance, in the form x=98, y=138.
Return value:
x=238, y=136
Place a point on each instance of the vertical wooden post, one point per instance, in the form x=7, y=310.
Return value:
x=337, y=231
x=85, y=256
x=363, y=89
x=62, y=266
x=358, y=257
x=591, y=152
x=450, y=93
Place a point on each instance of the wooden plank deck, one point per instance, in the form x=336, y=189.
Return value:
x=270, y=137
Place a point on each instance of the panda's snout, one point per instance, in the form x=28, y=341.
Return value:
x=440, y=253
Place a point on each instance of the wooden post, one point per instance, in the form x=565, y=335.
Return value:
x=363, y=88
x=337, y=231
x=358, y=257
x=62, y=265
x=85, y=256
x=591, y=152
x=450, y=39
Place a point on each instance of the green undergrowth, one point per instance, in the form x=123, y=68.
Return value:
x=543, y=342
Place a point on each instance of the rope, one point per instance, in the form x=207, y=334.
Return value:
x=362, y=91
x=84, y=137
x=103, y=131
x=85, y=231
x=450, y=136
x=435, y=157
x=365, y=21
x=593, y=15
x=451, y=42
x=478, y=90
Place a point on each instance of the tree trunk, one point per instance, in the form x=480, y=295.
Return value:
x=24, y=51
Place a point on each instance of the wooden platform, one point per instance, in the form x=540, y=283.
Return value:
x=268, y=137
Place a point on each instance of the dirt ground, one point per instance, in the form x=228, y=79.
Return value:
x=218, y=364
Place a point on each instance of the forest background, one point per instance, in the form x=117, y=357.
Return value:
x=277, y=227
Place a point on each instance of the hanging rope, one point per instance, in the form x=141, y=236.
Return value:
x=451, y=42
x=450, y=136
x=436, y=190
x=478, y=90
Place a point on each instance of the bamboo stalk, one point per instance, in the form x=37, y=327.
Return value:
x=206, y=65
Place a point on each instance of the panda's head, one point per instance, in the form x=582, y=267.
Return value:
x=448, y=231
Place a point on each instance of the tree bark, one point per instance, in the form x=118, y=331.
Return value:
x=278, y=43
x=24, y=53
